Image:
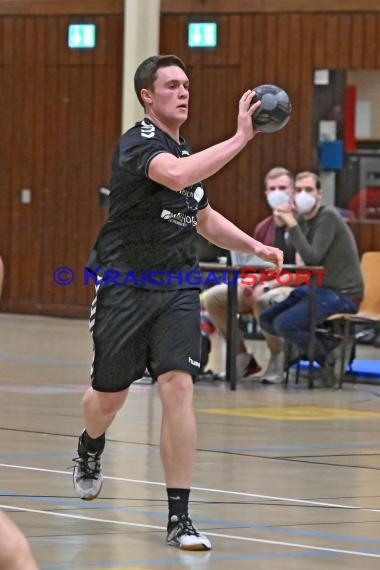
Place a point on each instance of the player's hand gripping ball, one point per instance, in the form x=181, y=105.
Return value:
x=274, y=111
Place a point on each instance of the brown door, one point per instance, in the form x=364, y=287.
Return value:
x=59, y=119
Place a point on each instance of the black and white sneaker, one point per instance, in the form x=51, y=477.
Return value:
x=183, y=534
x=87, y=474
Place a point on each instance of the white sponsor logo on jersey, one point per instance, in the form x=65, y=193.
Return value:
x=179, y=218
x=198, y=194
x=147, y=131
x=187, y=193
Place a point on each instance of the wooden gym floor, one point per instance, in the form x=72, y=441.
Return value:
x=285, y=478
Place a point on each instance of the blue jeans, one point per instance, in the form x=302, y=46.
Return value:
x=290, y=319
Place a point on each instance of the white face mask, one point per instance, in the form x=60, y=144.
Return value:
x=305, y=202
x=276, y=198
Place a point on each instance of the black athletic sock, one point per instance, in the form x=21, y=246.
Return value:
x=178, y=500
x=93, y=445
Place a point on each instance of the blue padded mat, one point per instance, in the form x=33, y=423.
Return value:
x=365, y=368
x=369, y=368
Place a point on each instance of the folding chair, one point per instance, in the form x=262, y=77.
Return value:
x=369, y=309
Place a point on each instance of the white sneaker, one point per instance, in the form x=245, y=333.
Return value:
x=275, y=369
x=183, y=534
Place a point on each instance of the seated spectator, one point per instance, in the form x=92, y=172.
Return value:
x=322, y=238
x=270, y=231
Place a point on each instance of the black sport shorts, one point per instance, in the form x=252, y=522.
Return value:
x=134, y=329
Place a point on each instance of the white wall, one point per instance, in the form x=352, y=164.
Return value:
x=367, y=84
x=141, y=40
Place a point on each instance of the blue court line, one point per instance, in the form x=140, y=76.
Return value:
x=194, y=560
x=35, y=454
x=281, y=448
x=297, y=447
x=212, y=522
x=70, y=455
x=154, y=451
x=40, y=360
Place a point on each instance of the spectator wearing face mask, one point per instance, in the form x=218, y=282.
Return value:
x=279, y=186
x=321, y=237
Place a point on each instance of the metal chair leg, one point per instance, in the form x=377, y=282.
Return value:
x=287, y=352
x=342, y=368
x=298, y=370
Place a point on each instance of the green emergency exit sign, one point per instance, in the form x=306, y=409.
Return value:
x=82, y=36
x=202, y=35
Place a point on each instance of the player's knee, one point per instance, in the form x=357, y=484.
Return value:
x=111, y=403
x=107, y=403
x=175, y=386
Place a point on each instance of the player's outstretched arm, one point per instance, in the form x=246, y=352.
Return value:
x=220, y=231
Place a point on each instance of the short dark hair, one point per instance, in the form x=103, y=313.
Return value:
x=306, y=174
x=146, y=73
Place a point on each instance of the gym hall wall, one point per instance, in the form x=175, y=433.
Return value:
x=60, y=115
x=59, y=119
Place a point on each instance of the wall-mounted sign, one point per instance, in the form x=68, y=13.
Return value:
x=202, y=35
x=81, y=36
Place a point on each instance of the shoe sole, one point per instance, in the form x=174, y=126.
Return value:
x=193, y=548
x=94, y=496
x=196, y=547
x=88, y=499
